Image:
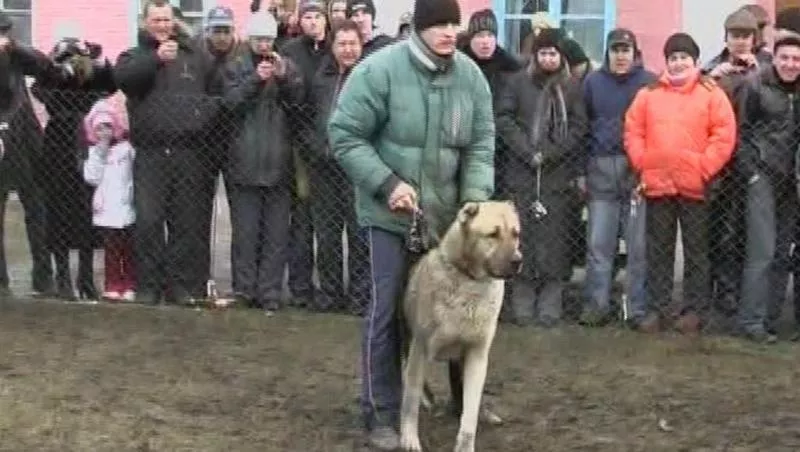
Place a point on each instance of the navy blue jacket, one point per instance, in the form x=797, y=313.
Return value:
x=607, y=97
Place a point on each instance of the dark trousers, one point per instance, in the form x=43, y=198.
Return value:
x=260, y=235
x=31, y=197
x=333, y=212
x=119, y=264
x=170, y=238
x=381, y=382
x=663, y=217
x=300, y=252
x=727, y=242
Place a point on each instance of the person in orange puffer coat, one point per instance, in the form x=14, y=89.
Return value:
x=679, y=133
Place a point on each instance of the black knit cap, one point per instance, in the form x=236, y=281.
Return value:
x=355, y=5
x=547, y=38
x=573, y=52
x=681, y=42
x=430, y=13
x=483, y=20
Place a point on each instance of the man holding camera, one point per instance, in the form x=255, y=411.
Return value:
x=730, y=69
x=20, y=145
x=166, y=81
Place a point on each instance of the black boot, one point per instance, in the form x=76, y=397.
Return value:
x=86, y=287
x=64, y=289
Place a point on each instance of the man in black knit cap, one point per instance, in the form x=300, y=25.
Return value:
x=375, y=135
x=362, y=12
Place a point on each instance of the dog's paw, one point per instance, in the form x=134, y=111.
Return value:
x=410, y=443
x=488, y=417
x=465, y=442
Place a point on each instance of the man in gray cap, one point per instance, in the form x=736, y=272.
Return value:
x=221, y=47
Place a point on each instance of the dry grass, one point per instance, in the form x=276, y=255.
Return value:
x=103, y=378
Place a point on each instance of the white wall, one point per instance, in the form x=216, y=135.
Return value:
x=387, y=14
x=704, y=20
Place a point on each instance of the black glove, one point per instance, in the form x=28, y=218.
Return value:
x=93, y=49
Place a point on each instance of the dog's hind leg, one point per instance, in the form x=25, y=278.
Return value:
x=412, y=392
x=476, y=362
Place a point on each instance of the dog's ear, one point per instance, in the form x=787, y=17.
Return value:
x=468, y=212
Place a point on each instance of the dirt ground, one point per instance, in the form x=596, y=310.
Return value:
x=114, y=378
x=129, y=378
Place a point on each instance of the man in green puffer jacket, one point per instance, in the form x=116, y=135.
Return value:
x=378, y=134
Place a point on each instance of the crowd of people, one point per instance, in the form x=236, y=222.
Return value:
x=349, y=152
x=711, y=149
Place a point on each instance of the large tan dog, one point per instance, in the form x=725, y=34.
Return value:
x=451, y=307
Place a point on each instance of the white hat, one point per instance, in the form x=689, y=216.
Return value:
x=262, y=25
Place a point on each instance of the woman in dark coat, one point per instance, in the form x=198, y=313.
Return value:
x=67, y=197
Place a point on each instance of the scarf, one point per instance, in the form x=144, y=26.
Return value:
x=434, y=62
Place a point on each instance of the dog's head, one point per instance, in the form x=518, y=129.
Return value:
x=484, y=240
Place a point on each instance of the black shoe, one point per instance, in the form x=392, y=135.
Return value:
x=270, y=306
x=65, y=290
x=183, y=297
x=87, y=291
x=325, y=303
x=147, y=298
x=760, y=336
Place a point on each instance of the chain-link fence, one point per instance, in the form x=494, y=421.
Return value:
x=241, y=198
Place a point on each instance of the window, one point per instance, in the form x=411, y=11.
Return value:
x=20, y=13
x=586, y=21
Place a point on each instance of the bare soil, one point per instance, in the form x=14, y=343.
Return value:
x=118, y=378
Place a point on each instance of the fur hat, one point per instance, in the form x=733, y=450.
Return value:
x=262, y=24
x=786, y=38
x=573, y=52
x=483, y=20
x=548, y=38
x=430, y=13
x=681, y=42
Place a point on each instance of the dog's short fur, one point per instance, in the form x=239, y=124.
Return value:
x=451, y=307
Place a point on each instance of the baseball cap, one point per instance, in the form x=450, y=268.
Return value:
x=219, y=16
x=620, y=36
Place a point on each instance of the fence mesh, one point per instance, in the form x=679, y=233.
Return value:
x=244, y=192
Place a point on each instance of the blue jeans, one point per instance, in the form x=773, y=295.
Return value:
x=381, y=375
x=771, y=217
x=606, y=219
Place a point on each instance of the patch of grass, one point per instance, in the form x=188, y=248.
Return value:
x=112, y=378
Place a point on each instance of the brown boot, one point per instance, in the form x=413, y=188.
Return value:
x=651, y=324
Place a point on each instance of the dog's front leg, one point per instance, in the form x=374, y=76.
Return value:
x=476, y=361
x=414, y=382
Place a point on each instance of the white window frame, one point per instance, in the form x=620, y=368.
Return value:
x=20, y=12
x=609, y=17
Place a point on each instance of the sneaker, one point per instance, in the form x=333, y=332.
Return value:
x=129, y=296
x=111, y=296
x=593, y=318
x=384, y=438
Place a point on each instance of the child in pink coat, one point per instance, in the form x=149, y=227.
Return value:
x=109, y=168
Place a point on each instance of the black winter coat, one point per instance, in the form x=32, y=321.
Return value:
x=261, y=153
x=168, y=103
x=769, y=122
x=21, y=133
x=67, y=197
